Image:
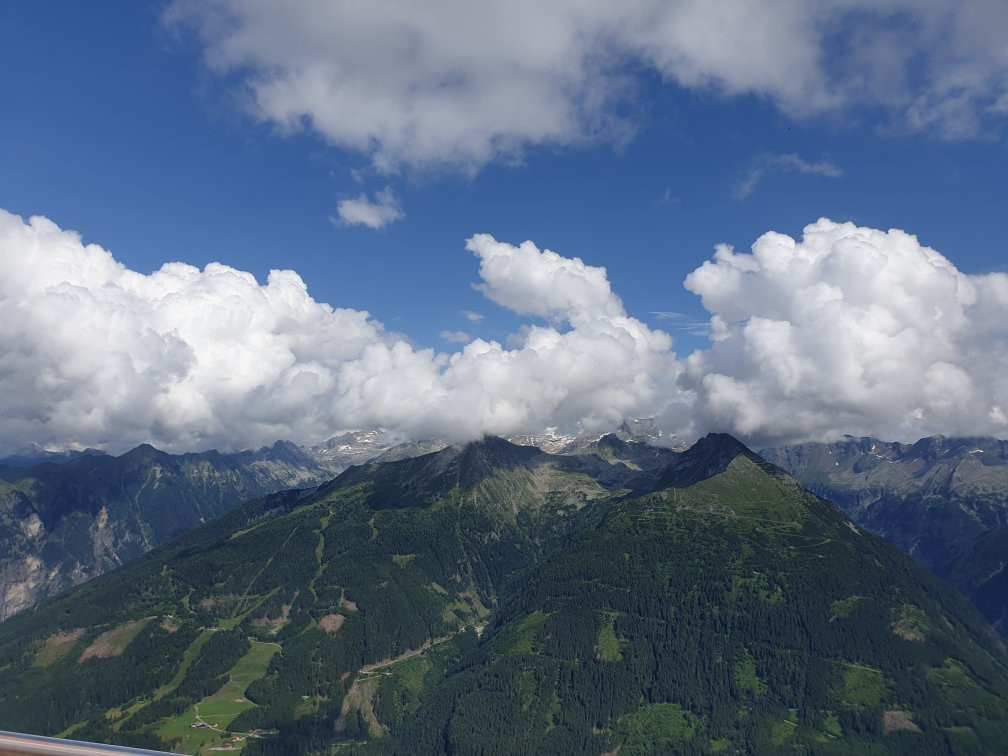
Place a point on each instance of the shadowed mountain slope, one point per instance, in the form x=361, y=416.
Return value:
x=979, y=568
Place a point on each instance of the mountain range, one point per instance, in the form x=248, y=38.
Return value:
x=497, y=598
x=67, y=516
x=942, y=500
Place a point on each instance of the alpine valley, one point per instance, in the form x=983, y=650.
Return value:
x=496, y=598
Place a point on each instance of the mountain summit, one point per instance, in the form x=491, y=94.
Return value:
x=708, y=457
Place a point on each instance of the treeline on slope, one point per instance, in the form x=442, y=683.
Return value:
x=144, y=589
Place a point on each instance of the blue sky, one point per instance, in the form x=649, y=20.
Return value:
x=119, y=124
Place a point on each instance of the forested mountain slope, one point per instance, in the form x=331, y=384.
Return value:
x=496, y=598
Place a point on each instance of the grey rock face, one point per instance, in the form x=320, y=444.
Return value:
x=61, y=524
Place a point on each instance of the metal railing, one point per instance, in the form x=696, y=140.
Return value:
x=19, y=743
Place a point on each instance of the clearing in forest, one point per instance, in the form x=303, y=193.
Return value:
x=57, y=645
x=113, y=642
x=204, y=725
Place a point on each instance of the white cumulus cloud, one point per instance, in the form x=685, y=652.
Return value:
x=849, y=330
x=449, y=83
x=376, y=214
x=99, y=355
x=534, y=282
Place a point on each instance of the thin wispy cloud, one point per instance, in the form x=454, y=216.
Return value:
x=471, y=316
x=455, y=337
x=668, y=198
x=789, y=163
x=679, y=321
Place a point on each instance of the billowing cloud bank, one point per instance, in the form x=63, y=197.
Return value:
x=461, y=84
x=96, y=354
x=850, y=330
